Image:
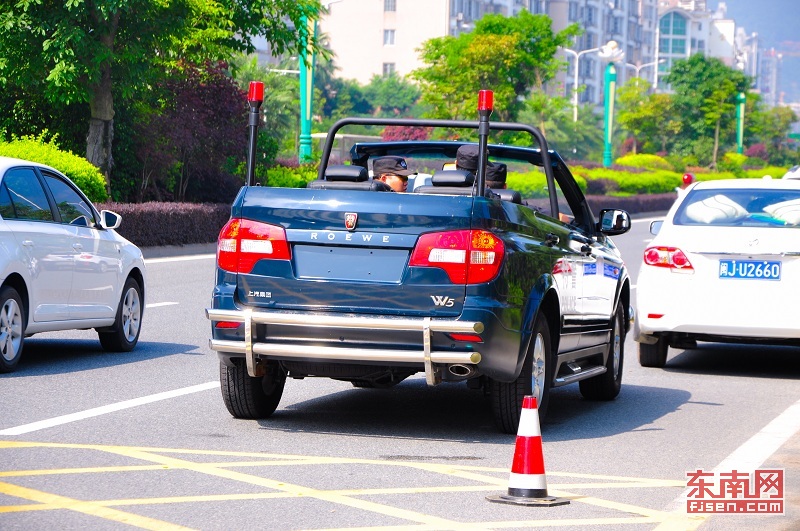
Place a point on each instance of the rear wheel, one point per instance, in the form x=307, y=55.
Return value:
x=607, y=385
x=654, y=355
x=248, y=397
x=535, y=379
x=12, y=328
x=128, y=322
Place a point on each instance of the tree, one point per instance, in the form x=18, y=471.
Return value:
x=280, y=111
x=632, y=114
x=199, y=127
x=716, y=107
x=705, y=92
x=772, y=127
x=391, y=95
x=509, y=55
x=93, y=51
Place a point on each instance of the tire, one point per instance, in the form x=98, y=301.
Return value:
x=535, y=379
x=12, y=328
x=654, y=355
x=247, y=397
x=124, y=333
x=607, y=385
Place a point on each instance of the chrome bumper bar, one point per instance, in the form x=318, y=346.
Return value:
x=425, y=325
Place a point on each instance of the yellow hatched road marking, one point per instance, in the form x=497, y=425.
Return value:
x=490, y=479
x=90, y=508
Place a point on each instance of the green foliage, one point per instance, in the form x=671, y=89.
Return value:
x=86, y=176
x=391, y=95
x=776, y=172
x=510, y=55
x=283, y=176
x=646, y=161
x=80, y=52
x=534, y=184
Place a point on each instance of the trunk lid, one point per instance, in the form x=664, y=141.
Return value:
x=350, y=251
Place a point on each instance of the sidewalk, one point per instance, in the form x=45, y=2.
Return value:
x=165, y=251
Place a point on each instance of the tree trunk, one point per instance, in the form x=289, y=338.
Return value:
x=716, y=146
x=101, y=102
x=101, y=127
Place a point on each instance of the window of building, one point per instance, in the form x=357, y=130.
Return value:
x=388, y=37
x=388, y=69
x=701, y=46
x=590, y=16
x=665, y=25
x=633, y=7
x=663, y=45
x=678, y=24
x=390, y=5
x=679, y=46
x=573, y=11
x=538, y=7
x=586, y=66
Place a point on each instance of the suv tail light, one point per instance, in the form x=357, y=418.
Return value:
x=243, y=242
x=669, y=257
x=467, y=256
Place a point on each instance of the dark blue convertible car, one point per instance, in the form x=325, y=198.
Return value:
x=347, y=279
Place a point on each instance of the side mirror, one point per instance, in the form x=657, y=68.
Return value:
x=655, y=226
x=613, y=222
x=109, y=219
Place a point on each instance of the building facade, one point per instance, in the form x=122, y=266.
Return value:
x=632, y=24
x=378, y=37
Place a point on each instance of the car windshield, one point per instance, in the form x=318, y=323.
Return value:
x=729, y=207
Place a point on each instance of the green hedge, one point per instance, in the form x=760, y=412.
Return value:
x=646, y=161
x=83, y=173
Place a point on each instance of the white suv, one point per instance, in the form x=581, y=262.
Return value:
x=62, y=264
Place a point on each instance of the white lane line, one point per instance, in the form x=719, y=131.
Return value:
x=180, y=258
x=97, y=411
x=754, y=452
x=159, y=304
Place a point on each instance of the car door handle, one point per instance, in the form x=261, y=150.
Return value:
x=27, y=243
x=551, y=239
x=77, y=247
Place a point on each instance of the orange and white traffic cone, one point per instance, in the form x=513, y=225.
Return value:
x=527, y=484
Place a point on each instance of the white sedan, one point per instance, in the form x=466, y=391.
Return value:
x=724, y=266
x=62, y=264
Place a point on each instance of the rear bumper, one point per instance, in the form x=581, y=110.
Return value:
x=251, y=349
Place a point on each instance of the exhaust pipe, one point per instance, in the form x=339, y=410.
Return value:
x=462, y=371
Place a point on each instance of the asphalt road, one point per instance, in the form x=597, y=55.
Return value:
x=91, y=440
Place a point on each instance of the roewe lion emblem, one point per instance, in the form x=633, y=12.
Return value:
x=350, y=220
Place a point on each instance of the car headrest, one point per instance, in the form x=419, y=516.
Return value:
x=508, y=195
x=342, y=172
x=453, y=178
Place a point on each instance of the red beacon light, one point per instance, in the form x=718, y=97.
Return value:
x=485, y=100
x=256, y=92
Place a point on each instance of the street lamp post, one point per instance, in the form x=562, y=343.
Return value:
x=306, y=90
x=307, y=84
x=577, y=56
x=740, y=101
x=611, y=53
x=639, y=68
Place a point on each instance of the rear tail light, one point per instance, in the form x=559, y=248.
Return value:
x=467, y=256
x=669, y=257
x=243, y=242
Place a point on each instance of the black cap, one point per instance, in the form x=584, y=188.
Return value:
x=392, y=165
x=496, y=172
x=467, y=157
